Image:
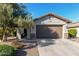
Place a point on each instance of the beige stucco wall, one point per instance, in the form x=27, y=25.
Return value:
x=77, y=32
x=33, y=31
x=50, y=20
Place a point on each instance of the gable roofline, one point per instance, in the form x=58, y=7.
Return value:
x=54, y=15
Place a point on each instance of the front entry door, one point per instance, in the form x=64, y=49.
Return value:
x=24, y=33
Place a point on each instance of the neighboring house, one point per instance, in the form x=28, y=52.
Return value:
x=49, y=26
x=76, y=26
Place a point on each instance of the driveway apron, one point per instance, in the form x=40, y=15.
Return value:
x=59, y=47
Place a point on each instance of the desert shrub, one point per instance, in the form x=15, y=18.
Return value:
x=72, y=32
x=6, y=50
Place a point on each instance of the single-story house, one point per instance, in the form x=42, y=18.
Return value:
x=74, y=25
x=48, y=26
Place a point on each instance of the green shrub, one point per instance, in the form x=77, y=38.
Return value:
x=72, y=32
x=6, y=50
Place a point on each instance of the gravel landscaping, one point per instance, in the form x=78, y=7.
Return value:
x=30, y=49
x=28, y=52
x=33, y=52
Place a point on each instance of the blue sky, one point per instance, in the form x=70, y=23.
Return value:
x=67, y=10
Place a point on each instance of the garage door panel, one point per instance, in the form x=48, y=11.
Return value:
x=48, y=31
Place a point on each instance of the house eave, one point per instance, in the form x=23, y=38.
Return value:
x=54, y=15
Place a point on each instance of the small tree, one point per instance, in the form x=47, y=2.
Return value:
x=6, y=19
x=13, y=16
x=23, y=19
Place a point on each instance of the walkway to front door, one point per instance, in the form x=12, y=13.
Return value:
x=60, y=47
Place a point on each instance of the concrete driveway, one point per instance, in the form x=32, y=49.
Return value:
x=59, y=47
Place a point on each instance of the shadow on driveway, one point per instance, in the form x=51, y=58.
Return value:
x=46, y=42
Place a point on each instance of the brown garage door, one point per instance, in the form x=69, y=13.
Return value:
x=49, y=31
